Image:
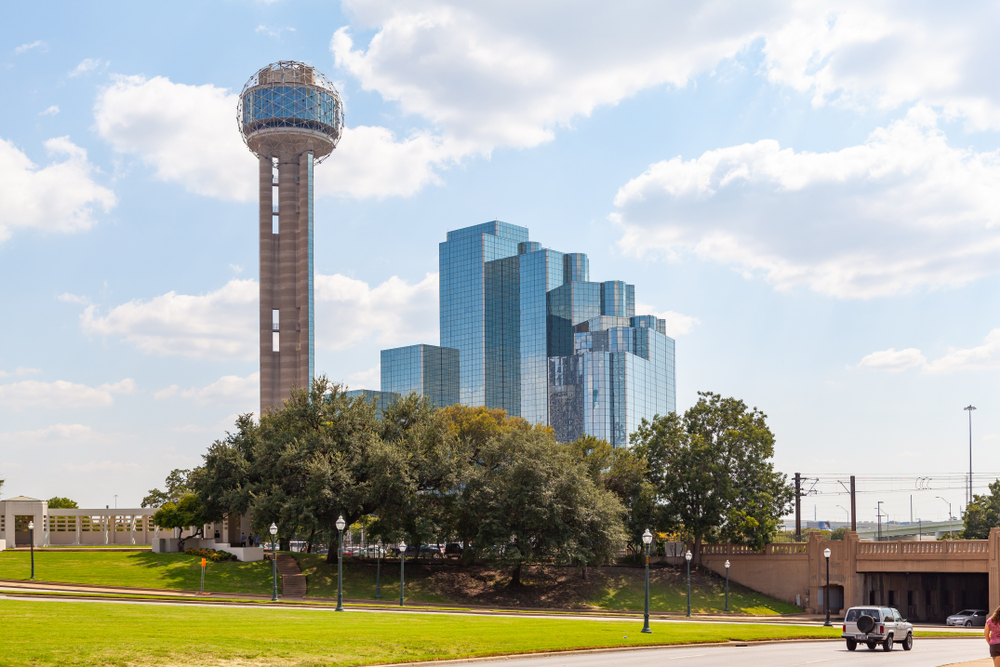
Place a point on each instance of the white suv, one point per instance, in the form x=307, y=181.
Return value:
x=876, y=625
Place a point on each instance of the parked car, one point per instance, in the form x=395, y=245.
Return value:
x=876, y=625
x=969, y=618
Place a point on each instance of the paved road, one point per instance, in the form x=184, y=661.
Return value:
x=925, y=653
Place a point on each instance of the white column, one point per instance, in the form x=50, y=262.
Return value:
x=76, y=521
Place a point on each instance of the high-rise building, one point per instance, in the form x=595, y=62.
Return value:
x=428, y=370
x=524, y=329
x=291, y=118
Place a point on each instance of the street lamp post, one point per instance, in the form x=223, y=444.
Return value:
x=950, y=532
x=378, y=569
x=727, y=585
x=340, y=563
x=402, y=563
x=647, y=537
x=274, y=564
x=687, y=557
x=31, y=527
x=970, y=408
x=826, y=596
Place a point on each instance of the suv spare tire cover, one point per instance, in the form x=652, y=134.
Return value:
x=866, y=624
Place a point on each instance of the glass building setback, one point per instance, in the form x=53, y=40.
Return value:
x=524, y=329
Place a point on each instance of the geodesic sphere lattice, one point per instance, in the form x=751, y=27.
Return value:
x=288, y=108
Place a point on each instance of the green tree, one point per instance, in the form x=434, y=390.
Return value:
x=177, y=487
x=187, y=512
x=58, y=503
x=713, y=472
x=982, y=514
x=535, y=500
x=838, y=533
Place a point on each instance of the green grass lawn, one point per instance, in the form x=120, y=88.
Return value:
x=82, y=633
x=137, y=569
x=613, y=588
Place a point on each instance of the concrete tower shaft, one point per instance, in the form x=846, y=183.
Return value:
x=291, y=117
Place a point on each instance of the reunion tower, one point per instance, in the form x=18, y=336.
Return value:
x=291, y=118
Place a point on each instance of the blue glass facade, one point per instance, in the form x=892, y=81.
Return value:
x=467, y=324
x=427, y=370
x=380, y=399
x=524, y=329
x=289, y=106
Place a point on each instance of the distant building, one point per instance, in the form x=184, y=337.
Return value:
x=524, y=329
x=428, y=370
x=380, y=399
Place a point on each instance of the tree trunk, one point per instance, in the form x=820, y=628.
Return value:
x=309, y=544
x=515, y=578
x=586, y=574
x=697, y=550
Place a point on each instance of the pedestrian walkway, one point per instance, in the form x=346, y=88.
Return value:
x=293, y=582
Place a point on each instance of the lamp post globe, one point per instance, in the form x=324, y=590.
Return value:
x=31, y=527
x=826, y=593
x=378, y=569
x=274, y=563
x=402, y=563
x=687, y=557
x=727, y=585
x=647, y=538
x=340, y=563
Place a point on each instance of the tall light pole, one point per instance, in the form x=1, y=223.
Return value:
x=727, y=585
x=950, y=531
x=340, y=563
x=378, y=569
x=687, y=557
x=826, y=596
x=402, y=564
x=969, y=408
x=878, y=509
x=647, y=537
x=274, y=564
x=31, y=527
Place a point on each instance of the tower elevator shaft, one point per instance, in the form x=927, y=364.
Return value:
x=286, y=277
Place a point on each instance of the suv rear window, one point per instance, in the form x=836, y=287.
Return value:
x=853, y=614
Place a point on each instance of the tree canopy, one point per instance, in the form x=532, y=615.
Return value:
x=57, y=503
x=982, y=514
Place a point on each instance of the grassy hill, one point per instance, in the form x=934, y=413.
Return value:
x=612, y=588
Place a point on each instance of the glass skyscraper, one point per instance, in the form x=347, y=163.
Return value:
x=524, y=329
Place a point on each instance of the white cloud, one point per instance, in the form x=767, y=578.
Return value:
x=61, y=394
x=893, y=361
x=677, y=324
x=223, y=324
x=51, y=111
x=349, y=311
x=21, y=370
x=57, y=434
x=188, y=135
x=61, y=197
x=887, y=54
x=985, y=357
x=37, y=44
x=901, y=211
x=101, y=466
x=69, y=297
x=227, y=390
x=369, y=379
x=86, y=66
x=509, y=73
x=271, y=32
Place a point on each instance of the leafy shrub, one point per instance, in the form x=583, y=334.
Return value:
x=211, y=554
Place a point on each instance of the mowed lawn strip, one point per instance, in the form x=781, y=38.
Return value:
x=87, y=633
x=137, y=569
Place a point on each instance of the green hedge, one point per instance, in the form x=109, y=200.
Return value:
x=212, y=555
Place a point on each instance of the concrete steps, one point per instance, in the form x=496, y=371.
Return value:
x=293, y=582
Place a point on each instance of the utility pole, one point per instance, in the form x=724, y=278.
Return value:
x=878, y=509
x=798, y=507
x=854, y=507
x=970, y=408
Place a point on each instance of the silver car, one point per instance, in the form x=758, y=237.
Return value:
x=968, y=618
x=874, y=626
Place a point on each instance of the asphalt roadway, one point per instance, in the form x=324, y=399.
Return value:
x=925, y=653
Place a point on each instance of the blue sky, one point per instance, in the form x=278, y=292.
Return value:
x=806, y=192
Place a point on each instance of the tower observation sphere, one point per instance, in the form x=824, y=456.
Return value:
x=291, y=117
